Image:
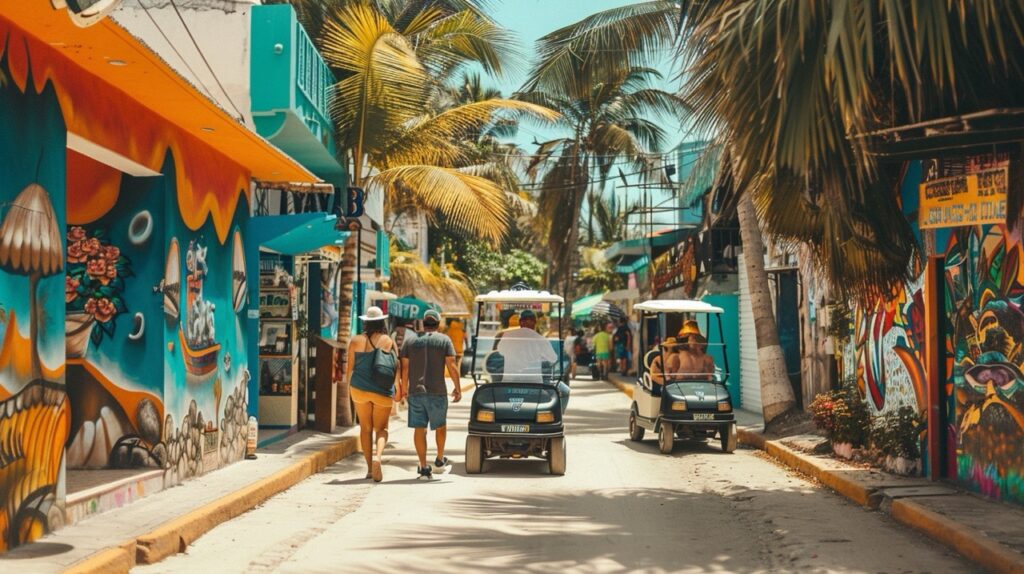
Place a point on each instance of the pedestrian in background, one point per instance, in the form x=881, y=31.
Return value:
x=623, y=341
x=572, y=342
x=403, y=332
x=602, y=351
x=424, y=362
x=369, y=388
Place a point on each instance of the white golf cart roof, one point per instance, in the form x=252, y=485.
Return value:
x=519, y=296
x=676, y=306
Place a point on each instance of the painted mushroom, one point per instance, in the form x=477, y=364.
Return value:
x=30, y=244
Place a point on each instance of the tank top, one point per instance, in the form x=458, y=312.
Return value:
x=361, y=372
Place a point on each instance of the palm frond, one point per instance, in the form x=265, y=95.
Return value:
x=386, y=85
x=571, y=58
x=470, y=204
x=467, y=37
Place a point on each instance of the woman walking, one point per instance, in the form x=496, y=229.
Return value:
x=369, y=355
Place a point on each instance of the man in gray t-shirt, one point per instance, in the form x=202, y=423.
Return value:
x=424, y=362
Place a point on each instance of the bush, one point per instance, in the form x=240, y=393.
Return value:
x=843, y=416
x=898, y=434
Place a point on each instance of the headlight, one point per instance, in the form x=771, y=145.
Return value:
x=724, y=407
x=545, y=417
x=485, y=416
x=679, y=405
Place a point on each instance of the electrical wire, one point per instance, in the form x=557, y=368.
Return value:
x=199, y=80
x=241, y=116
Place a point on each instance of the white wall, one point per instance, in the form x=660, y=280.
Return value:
x=221, y=29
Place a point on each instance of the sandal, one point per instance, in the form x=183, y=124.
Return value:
x=378, y=473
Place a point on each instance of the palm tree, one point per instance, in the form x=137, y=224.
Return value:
x=393, y=58
x=800, y=77
x=597, y=273
x=608, y=121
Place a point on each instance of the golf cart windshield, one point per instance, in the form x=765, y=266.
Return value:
x=525, y=343
x=684, y=341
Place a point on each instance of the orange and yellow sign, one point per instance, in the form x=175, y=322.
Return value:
x=973, y=199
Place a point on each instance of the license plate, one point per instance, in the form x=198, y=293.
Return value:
x=703, y=416
x=515, y=428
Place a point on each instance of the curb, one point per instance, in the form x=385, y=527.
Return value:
x=969, y=542
x=175, y=535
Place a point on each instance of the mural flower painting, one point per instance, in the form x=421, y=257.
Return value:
x=95, y=279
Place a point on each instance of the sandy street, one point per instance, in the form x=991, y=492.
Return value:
x=620, y=507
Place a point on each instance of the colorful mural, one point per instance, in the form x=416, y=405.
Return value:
x=143, y=388
x=34, y=411
x=985, y=358
x=113, y=351
x=888, y=352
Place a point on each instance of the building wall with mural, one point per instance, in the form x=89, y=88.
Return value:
x=121, y=297
x=34, y=411
x=982, y=336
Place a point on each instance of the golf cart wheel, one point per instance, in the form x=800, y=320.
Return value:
x=556, y=456
x=728, y=437
x=636, y=432
x=666, y=438
x=474, y=455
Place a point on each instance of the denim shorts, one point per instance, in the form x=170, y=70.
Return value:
x=428, y=408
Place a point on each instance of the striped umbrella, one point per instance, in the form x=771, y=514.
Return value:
x=606, y=309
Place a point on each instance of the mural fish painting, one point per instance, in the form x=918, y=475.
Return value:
x=984, y=297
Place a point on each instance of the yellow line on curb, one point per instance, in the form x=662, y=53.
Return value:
x=967, y=541
x=175, y=535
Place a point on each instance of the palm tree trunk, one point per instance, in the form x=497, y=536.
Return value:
x=776, y=390
x=346, y=278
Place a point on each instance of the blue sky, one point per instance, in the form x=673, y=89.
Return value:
x=531, y=19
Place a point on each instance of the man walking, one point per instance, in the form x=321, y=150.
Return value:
x=424, y=362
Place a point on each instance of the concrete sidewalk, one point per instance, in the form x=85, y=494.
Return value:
x=163, y=524
x=986, y=532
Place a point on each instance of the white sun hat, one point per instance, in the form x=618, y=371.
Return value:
x=373, y=314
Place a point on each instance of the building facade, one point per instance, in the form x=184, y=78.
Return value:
x=131, y=190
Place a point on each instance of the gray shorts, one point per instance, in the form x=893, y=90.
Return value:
x=424, y=409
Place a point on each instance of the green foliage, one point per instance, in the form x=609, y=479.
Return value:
x=843, y=416
x=488, y=269
x=898, y=434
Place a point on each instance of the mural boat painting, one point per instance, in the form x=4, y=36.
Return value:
x=171, y=286
x=238, y=282
x=199, y=362
x=197, y=335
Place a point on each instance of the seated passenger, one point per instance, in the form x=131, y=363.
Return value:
x=695, y=363
x=664, y=361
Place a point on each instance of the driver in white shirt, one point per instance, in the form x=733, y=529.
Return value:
x=525, y=350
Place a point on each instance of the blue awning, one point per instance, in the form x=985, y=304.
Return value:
x=296, y=234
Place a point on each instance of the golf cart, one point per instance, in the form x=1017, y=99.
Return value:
x=520, y=377
x=671, y=397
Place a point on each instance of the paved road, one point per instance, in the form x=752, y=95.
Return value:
x=620, y=507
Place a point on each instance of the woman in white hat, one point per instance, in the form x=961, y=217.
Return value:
x=372, y=394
